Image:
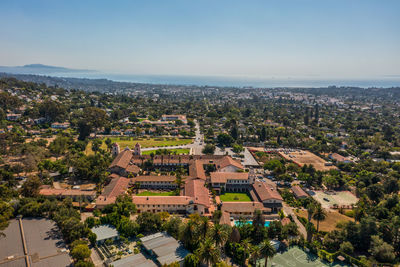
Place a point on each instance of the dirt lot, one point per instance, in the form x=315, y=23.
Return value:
x=329, y=224
x=341, y=198
x=302, y=157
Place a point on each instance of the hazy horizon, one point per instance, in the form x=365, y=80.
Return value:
x=319, y=39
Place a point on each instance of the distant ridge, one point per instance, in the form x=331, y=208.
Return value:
x=40, y=69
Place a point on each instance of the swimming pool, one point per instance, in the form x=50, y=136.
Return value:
x=238, y=223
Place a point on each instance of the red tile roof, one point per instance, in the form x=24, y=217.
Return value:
x=299, y=192
x=228, y=161
x=159, y=200
x=264, y=192
x=122, y=160
x=232, y=207
x=66, y=192
x=196, y=169
x=196, y=189
x=114, y=189
x=225, y=218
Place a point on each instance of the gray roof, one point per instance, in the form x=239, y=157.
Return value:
x=105, y=232
x=44, y=242
x=165, y=247
x=137, y=260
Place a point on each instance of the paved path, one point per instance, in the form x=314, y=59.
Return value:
x=96, y=258
x=289, y=211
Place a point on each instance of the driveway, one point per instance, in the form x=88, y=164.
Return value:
x=289, y=211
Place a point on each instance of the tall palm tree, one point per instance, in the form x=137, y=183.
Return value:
x=267, y=250
x=310, y=230
x=310, y=210
x=219, y=234
x=319, y=215
x=208, y=253
x=255, y=254
x=189, y=234
x=204, y=226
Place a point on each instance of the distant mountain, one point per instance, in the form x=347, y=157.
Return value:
x=40, y=69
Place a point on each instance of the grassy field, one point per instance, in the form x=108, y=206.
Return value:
x=329, y=224
x=149, y=193
x=178, y=151
x=130, y=142
x=232, y=197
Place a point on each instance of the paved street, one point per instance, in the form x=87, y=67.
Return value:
x=289, y=211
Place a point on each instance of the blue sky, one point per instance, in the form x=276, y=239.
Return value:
x=282, y=38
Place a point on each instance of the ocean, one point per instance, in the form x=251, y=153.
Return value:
x=224, y=81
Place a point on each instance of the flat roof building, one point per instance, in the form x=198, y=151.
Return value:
x=104, y=232
x=164, y=248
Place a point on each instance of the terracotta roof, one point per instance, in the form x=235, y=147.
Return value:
x=264, y=193
x=65, y=192
x=148, y=178
x=114, y=189
x=158, y=200
x=225, y=218
x=122, y=160
x=298, y=191
x=195, y=189
x=133, y=168
x=243, y=206
x=222, y=177
x=196, y=169
x=228, y=161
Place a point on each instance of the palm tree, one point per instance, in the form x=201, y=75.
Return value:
x=267, y=250
x=204, y=226
x=208, y=253
x=255, y=254
x=310, y=230
x=319, y=215
x=310, y=210
x=189, y=234
x=219, y=234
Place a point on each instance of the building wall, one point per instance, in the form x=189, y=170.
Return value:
x=161, y=184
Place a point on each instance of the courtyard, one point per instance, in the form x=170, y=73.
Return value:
x=233, y=197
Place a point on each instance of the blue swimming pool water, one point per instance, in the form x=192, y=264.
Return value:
x=266, y=224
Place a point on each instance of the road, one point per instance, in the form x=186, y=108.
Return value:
x=289, y=211
x=195, y=148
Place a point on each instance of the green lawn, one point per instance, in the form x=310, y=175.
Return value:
x=130, y=142
x=231, y=197
x=178, y=151
x=149, y=193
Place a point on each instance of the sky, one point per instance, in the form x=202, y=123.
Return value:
x=281, y=38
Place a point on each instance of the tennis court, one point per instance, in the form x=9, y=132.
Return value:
x=296, y=257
